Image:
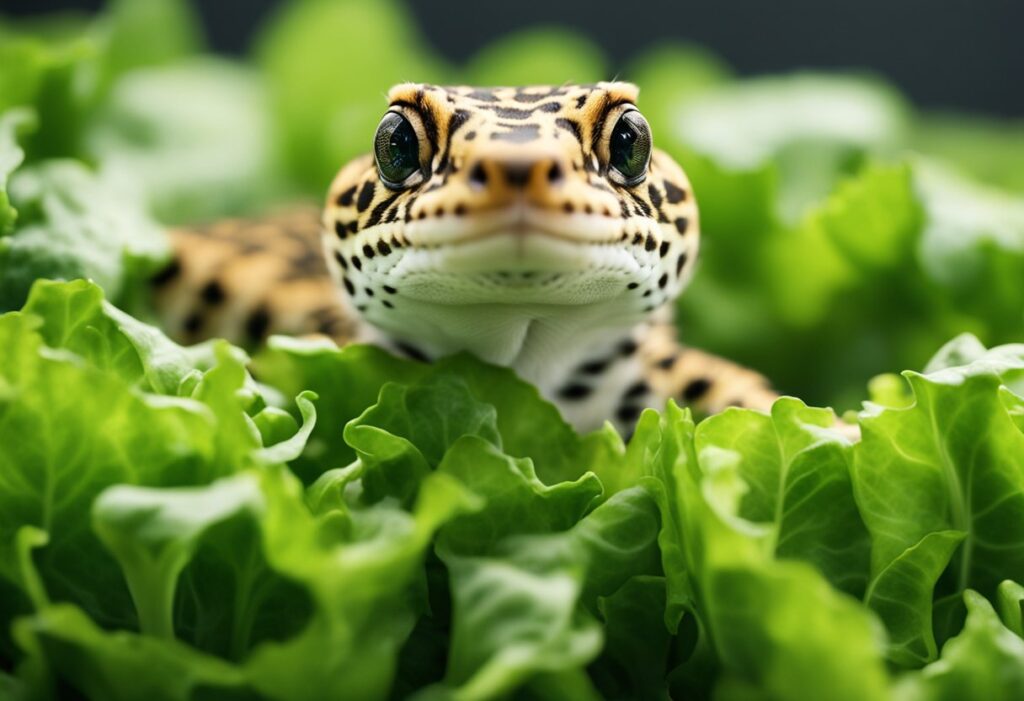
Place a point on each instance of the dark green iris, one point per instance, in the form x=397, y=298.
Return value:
x=630, y=147
x=397, y=150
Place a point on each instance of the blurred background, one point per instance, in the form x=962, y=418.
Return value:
x=859, y=166
x=955, y=54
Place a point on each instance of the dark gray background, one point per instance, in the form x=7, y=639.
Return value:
x=945, y=54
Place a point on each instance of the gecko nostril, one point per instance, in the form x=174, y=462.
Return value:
x=555, y=174
x=517, y=174
x=478, y=175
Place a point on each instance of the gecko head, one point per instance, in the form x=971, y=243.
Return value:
x=536, y=198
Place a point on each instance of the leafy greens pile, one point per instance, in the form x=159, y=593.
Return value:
x=459, y=540
x=309, y=522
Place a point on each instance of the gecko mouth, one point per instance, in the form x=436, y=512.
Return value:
x=520, y=220
x=520, y=255
x=535, y=267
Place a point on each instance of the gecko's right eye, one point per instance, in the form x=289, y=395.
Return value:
x=397, y=151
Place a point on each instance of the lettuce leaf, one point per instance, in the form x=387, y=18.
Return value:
x=940, y=486
x=985, y=661
x=192, y=140
x=537, y=57
x=73, y=224
x=325, y=71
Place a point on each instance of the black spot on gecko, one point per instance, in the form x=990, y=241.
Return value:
x=666, y=363
x=378, y=211
x=213, y=292
x=193, y=322
x=673, y=193
x=511, y=112
x=628, y=413
x=365, y=196
x=575, y=390
x=680, y=263
x=526, y=97
x=518, y=134
x=169, y=273
x=483, y=96
x=595, y=367
x=345, y=198
x=638, y=389
x=696, y=389
x=258, y=322
x=655, y=196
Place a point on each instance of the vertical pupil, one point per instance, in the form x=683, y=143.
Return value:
x=398, y=145
x=624, y=148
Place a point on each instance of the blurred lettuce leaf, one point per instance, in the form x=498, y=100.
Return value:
x=670, y=75
x=635, y=658
x=810, y=127
x=829, y=253
x=58, y=79
x=1010, y=599
x=972, y=247
x=73, y=223
x=193, y=141
x=62, y=65
x=984, y=148
x=328, y=65
x=137, y=34
x=543, y=56
x=11, y=156
x=985, y=661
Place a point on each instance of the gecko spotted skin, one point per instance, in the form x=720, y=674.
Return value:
x=535, y=227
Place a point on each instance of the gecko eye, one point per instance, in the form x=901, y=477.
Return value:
x=397, y=151
x=629, y=149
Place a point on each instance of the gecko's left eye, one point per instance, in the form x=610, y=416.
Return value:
x=397, y=150
x=629, y=149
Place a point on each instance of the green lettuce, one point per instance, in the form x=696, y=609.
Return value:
x=940, y=485
x=158, y=542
